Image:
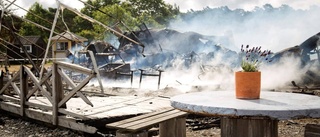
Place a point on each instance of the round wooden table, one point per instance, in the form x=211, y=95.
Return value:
x=253, y=118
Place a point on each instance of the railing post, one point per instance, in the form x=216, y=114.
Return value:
x=23, y=90
x=57, y=93
x=1, y=79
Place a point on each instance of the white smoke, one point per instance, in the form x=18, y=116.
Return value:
x=187, y=5
x=280, y=74
x=272, y=28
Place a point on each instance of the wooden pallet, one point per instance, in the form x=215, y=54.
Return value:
x=171, y=123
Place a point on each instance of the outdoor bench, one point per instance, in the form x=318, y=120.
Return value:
x=172, y=123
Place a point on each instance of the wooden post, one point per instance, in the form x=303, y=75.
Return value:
x=1, y=79
x=175, y=127
x=57, y=93
x=23, y=90
x=120, y=133
x=249, y=127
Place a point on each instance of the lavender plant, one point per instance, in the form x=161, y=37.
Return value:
x=253, y=57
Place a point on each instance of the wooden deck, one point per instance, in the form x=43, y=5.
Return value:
x=112, y=106
x=78, y=113
x=69, y=108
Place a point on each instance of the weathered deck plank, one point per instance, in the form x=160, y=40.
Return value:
x=112, y=106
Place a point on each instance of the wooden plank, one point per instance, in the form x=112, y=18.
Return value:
x=37, y=83
x=80, y=86
x=39, y=115
x=43, y=80
x=63, y=122
x=73, y=85
x=120, y=133
x=9, y=82
x=10, y=107
x=312, y=130
x=119, y=123
x=74, y=67
x=12, y=99
x=148, y=122
x=109, y=107
x=75, y=115
x=138, y=100
x=45, y=107
x=72, y=124
x=153, y=102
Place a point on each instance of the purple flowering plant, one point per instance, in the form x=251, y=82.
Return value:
x=253, y=57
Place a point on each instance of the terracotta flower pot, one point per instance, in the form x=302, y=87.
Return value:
x=248, y=85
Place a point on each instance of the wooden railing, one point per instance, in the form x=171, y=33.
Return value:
x=19, y=102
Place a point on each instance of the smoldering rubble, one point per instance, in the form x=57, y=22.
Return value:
x=170, y=50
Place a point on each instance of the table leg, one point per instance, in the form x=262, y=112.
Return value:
x=249, y=127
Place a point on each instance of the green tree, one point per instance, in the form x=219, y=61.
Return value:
x=132, y=13
x=86, y=28
x=110, y=16
x=31, y=29
x=45, y=18
x=157, y=9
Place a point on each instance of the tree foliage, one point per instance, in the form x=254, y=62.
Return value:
x=110, y=12
x=86, y=28
x=31, y=29
x=157, y=9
